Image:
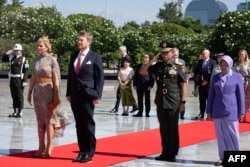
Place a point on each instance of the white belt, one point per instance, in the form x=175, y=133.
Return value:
x=15, y=75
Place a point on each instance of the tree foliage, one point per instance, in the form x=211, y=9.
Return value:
x=2, y=3
x=25, y=25
x=16, y=3
x=163, y=29
x=169, y=13
x=231, y=33
x=192, y=24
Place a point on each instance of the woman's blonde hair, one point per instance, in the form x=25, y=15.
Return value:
x=45, y=40
x=246, y=55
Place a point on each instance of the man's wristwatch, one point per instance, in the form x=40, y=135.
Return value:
x=183, y=101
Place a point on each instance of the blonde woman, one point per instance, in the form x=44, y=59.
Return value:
x=243, y=67
x=44, y=85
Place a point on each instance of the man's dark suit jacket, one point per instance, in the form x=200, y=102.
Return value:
x=90, y=79
x=206, y=72
x=140, y=80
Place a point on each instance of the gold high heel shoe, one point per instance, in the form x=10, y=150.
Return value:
x=48, y=153
x=39, y=153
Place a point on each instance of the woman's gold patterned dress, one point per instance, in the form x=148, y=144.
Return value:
x=43, y=67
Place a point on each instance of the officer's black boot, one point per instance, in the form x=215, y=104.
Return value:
x=14, y=113
x=19, y=113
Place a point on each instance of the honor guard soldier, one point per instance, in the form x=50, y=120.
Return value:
x=170, y=99
x=18, y=75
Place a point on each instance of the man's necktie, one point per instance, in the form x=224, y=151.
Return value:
x=78, y=65
x=204, y=64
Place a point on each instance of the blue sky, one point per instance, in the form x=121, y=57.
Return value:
x=119, y=11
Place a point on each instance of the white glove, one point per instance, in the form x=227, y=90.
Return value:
x=24, y=84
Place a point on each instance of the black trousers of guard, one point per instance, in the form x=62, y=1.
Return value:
x=169, y=131
x=16, y=90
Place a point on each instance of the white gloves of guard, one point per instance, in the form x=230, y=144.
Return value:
x=24, y=84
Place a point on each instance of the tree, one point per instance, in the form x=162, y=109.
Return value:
x=169, y=13
x=131, y=24
x=190, y=23
x=28, y=24
x=232, y=33
x=2, y=3
x=163, y=29
x=16, y=3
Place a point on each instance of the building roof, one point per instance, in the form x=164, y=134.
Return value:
x=208, y=11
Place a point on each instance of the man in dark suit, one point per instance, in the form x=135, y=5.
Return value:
x=125, y=56
x=84, y=91
x=180, y=61
x=204, y=70
x=143, y=85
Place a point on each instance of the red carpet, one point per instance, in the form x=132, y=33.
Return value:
x=117, y=149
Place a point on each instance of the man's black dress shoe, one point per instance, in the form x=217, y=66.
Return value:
x=82, y=158
x=12, y=115
x=137, y=115
x=124, y=114
x=18, y=116
x=169, y=158
x=78, y=158
x=147, y=115
x=85, y=159
x=162, y=157
x=199, y=117
x=114, y=110
x=218, y=163
x=134, y=110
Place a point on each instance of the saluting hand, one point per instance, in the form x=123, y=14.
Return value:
x=156, y=57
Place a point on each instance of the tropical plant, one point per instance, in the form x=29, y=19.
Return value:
x=231, y=33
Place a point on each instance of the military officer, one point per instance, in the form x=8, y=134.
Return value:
x=170, y=99
x=18, y=79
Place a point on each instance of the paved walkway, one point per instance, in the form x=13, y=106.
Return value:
x=19, y=135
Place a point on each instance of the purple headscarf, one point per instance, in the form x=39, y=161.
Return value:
x=229, y=62
x=225, y=75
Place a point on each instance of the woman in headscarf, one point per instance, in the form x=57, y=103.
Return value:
x=226, y=105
